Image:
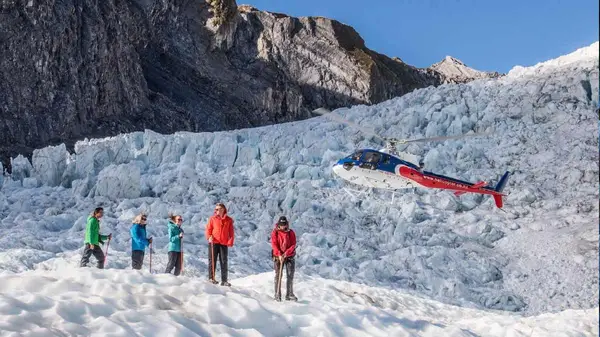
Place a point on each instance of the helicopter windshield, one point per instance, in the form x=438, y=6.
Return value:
x=356, y=155
x=372, y=157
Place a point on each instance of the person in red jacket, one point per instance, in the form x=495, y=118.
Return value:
x=219, y=233
x=283, y=243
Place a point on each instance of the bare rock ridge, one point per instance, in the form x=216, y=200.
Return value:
x=71, y=69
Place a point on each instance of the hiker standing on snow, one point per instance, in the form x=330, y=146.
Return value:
x=139, y=241
x=219, y=233
x=175, y=237
x=93, y=238
x=283, y=243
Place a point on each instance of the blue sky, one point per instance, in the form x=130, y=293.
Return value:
x=486, y=35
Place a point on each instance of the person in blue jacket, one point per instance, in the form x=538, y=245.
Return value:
x=175, y=236
x=139, y=241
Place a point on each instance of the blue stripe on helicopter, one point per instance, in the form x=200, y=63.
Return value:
x=383, y=163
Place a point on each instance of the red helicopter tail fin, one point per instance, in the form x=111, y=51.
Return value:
x=498, y=200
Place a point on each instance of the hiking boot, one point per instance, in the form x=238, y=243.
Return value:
x=291, y=297
x=225, y=283
x=277, y=298
x=213, y=281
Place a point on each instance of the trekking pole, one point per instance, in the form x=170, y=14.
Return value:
x=212, y=259
x=150, y=257
x=279, y=277
x=181, y=260
x=106, y=252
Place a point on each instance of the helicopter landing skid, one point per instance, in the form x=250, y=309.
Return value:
x=354, y=194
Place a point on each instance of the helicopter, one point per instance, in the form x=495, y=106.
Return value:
x=392, y=170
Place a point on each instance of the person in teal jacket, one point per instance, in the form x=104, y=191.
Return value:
x=139, y=241
x=175, y=237
x=93, y=238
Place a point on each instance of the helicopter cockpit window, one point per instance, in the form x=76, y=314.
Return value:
x=356, y=155
x=372, y=157
x=386, y=159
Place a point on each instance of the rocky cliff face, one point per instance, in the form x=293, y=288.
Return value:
x=71, y=69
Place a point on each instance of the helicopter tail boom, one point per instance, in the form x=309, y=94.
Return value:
x=432, y=180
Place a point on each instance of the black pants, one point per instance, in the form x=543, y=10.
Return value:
x=137, y=259
x=87, y=252
x=174, y=262
x=290, y=266
x=218, y=252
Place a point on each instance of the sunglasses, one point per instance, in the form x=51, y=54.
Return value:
x=179, y=220
x=144, y=219
x=218, y=209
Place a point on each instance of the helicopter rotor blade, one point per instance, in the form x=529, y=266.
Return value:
x=435, y=139
x=331, y=115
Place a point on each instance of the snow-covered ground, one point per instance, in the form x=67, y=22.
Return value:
x=538, y=255
x=77, y=302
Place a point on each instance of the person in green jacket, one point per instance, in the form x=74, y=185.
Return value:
x=93, y=238
x=175, y=237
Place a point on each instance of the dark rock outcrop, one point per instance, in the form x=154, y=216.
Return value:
x=71, y=69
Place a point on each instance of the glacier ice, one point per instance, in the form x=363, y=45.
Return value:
x=457, y=249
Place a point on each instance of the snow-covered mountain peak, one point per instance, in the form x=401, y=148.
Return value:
x=582, y=57
x=453, y=60
x=454, y=70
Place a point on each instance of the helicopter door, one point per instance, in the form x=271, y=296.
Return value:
x=370, y=160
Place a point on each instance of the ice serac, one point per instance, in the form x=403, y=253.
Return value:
x=96, y=69
x=50, y=163
x=453, y=70
x=119, y=182
x=21, y=168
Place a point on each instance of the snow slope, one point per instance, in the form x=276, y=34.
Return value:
x=130, y=303
x=539, y=255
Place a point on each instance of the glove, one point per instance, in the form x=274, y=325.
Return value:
x=150, y=240
x=180, y=235
x=110, y=236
